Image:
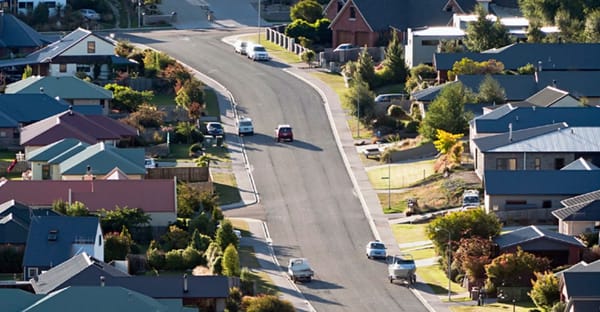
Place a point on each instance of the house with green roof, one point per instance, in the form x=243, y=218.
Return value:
x=70, y=89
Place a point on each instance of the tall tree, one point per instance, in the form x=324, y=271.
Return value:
x=447, y=112
x=534, y=32
x=225, y=235
x=592, y=27
x=394, y=59
x=490, y=91
x=365, y=68
x=231, y=261
x=545, y=292
x=484, y=34
x=571, y=29
x=308, y=10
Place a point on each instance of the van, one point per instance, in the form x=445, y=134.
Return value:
x=390, y=98
x=470, y=199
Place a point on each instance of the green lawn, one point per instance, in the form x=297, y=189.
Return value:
x=226, y=187
x=212, y=104
x=402, y=175
x=248, y=260
x=436, y=279
x=333, y=80
x=409, y=233
x=422, y=253
x=163, y=100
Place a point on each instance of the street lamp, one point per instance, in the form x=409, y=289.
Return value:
x=389, y=178
x=139, y=13
x=357, y=118
x=449, y=261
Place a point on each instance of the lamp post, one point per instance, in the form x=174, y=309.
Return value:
x=259, y=21
x=389, y=186
x=449, y=249
x=139, y=13
x=357, y=118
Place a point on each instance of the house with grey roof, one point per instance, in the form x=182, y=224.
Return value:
x=18, y=38
x=534, y=195
x=15, y=218
x=578, y=290
x=579, y=214
x=55, y=239
x=560, y=249
x=90, y=129
x=71, y=159
x=70, y=89
x=580, y=266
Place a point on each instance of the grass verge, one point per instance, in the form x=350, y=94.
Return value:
x=436, y=279
x=212, y=104
x=409, y=233
x=226, y=186
x=274, y=50
x=402, y=175
x=248, y=259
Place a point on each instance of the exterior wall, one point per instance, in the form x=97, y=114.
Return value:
x=416, y=52
x=332, y=10
x=567, y=102
x=531, y=211
x=575, y=227
x=352, y=30
x=54, y=70
x=547, y=160
x=99, y=244
x=102, y=47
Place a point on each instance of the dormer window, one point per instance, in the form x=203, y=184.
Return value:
x=352, y=13
x=91, y=46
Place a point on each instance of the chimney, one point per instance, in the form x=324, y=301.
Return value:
x=101, y=281
x=554, y=83
x=185, y=283
x=510, y=132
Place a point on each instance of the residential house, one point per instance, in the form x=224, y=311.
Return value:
x=27, y=6
x=90, y=298
x=15, y=218
x=71, y=159
x=90, y=129
x=19, y=110
x=531, y=196
x=581, y=266
x=560, y=249
x=579, y=214
x=156, y=197
x=578, y=291
x=79, y=51
x=55, y=239
x=18, y=38
x=70, y=89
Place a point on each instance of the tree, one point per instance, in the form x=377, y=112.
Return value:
x=191, y=97
x=117, y=245
x=445, y=140
x=417, y=77
x=360, y=101
x=146, y=115
x=27, y=72
x=77, y=209
x=155, y=256
x=192, y=257
x=308, y=56
x=472, y=256
x=185, y=129
x=175, y=238
x=446, y=112
x=124, y=48
x=204, y=223
x=114, y=220
x=545, y=292
x=467, y=66
x=225, y=235
x=534, y=32
x=188, y=200
x=127, y=99
x=40, y=14
x=394, y=59
x=231, y=261
x=308, y=10
x=571, y=28
x=365, y=68
x=200, y=241
x=484, y=34
x=592, y=27
x=490, y=91
x=266, y=303
x=514, y=269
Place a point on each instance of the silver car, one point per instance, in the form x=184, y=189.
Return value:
x=376, y=249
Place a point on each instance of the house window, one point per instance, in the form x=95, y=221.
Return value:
x=45, y=172
x=62, y=68
x=516, y=202
x=50, y=4
x=339, y=6
x=506, y=164
x=83, y=68
x=537, y=164
x=32, y=272
x=430, y=42
x=352, y=13
x=547, y=204
x=26, y=5
x=559, y=163
x=99, y=240
x=91, y=46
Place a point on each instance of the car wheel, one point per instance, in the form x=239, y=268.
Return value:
x=391, y=279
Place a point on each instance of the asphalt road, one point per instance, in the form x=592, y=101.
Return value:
x=306, y=195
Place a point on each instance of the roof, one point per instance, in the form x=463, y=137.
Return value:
x=17, y=109
x=516, y=87
x=41, y=251
x=530, y=233
x=14, y=221
x=150, y=195
x=577, y=83
x=69, y=124
x=577, y=284
x=14, y=299
x=581, y=266
x=492, y=142
x=581, y=199
x=14, y=33
x=50, y=152
x=548, y=56
x=547, y=96
x=429, y=94
x=520, y=117
x=67, y=87
x=580, y=164
x=77, y=265
x=102, y=158
x=541, y=182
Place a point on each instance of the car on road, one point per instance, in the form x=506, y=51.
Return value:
x=245, y=126
x=150, y=163
x=376, y=249
x=345, y=47
x=284, y=133
x=240, y=47
x=89, y=14
x=214, y=128
x=299, y=270
x=257, y=52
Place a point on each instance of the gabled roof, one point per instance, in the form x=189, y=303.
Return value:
x=578, y=284
x=580, y=164
x=588, y=211
x=429, y=94
x=103, y=158
x=581, y=266
x=69, y=124
x=79, y=264
x=493, y=142
x=49, y=153
x=581, y=199
x=14, y=221
x=43, y=251
x=151, y=195
x=547, y=96
x=550, y=56
x=498, y=120
x=516, y=87
x=531, y=233
x=16, y=109
x=541, y=182
x=578, y=83
x=14, y=33
x=116, y=174
x=67, y=87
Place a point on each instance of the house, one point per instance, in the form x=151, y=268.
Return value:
x=70, y=89
x=15, y=218
x=71, y=159
x=27, y=6
x=54, y=239
x=533, y=195
x=578, y=292
x=156, y=197
x=560, y=249
x=18, y=38
x=579, y=214
x=90, y=129
x=93, y=298
x=422, y=43
x=79, y=51
x=18, y=110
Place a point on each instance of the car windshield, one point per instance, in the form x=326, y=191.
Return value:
x=285, y=130
x=471, y=199
x=215, y=126
x=261, y=49
x=245, y=123
x=377, y=246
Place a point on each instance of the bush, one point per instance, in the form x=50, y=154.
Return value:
x=192, y=258
x=266, y=303
x=156, y=259
x=412, y=126
x=176, y=238
x=174, y=260
x=195, y=149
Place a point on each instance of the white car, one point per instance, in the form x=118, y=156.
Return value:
x=150, y=163
x=89, y=14
x=376, y=249
x=245, y=126
x=257, y=52
x=345, y=47
x=240, y=47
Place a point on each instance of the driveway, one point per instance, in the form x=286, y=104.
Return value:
x=193, y=14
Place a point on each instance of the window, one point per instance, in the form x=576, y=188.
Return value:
x=559, y=163
x=32, y=272
x=26, y=5
x=99, y=240
x=537, y=164
x=91, y=46
x=62, y=68
x=352, y=13
x=50, y=4
x=547, y=204
x=83, y=68
x=516, y=202
x=506, y=164
x=430, y=42
x=2, y=134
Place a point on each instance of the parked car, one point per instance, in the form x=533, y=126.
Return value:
x=390, y=98
x=471, y=199
x=214, y=128
x=245, y=126
x=257, y=52
x=284, y=133
x=240, y=47
x=376, y=249
x=150, y=163
x=299, y=270
x=345, y=47
x=89, y=14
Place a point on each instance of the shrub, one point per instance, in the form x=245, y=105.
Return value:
x=195, y=148
x=192, y=257
x=176, y=238
x=156, y=259
x=266, y=303
x=174, y=260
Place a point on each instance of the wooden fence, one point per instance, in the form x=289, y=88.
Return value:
x=187, y=174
